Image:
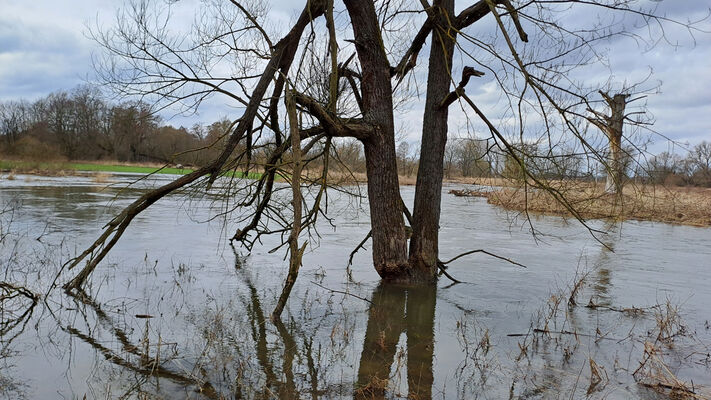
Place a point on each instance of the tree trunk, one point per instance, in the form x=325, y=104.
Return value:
x=616, y=173
x=424, y=243
x=295, y=253
x=387, y=224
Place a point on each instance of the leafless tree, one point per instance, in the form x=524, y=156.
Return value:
x=700, y=160
x=613, y=125
x=234, y=54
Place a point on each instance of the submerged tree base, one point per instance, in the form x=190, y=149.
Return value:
x=407, y=274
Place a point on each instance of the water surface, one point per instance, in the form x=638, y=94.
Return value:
x=174, y=312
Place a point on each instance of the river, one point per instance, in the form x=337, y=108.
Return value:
x=174, y=312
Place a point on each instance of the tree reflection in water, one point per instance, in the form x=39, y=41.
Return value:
x=396, y=310
x=265, y=359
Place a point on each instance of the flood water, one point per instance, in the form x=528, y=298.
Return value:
x=174, y=312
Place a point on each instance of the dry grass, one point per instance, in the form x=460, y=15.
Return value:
x=677, y=205
x=338, y=177
x=653, y=372
x=483, y=181
x=374, y=389
x=101, y=177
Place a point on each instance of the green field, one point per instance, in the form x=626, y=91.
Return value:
x=54, y=168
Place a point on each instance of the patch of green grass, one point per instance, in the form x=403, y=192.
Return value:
x=240, y=174
x=35, y=167
x=53, y=168
x=127, y=168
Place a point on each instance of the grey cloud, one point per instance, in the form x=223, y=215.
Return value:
x=38, y=58
x=42, y=49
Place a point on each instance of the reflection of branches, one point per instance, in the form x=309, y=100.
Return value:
x=301, y=359
x=146, y=365
x=14, y=310
x=149, y=370
x=258, y=324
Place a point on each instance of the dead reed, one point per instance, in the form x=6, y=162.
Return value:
x=677, y=205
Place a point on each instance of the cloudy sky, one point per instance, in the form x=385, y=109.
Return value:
x=44, y=48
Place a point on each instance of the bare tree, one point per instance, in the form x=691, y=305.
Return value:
x=700, y=160
x=355, y=97
x=13, y=120
x=612, y=126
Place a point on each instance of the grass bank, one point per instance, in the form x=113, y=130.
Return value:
x=676, y=205
x=75, y=168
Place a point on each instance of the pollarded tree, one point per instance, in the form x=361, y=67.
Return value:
x=612, y=126
x=349, y=86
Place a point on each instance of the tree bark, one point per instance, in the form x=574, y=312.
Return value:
x=388, y=226
x=295, y=253
x=616, y=173
x=424, y=243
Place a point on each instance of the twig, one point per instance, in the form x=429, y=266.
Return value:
x=360, y=246
x=443, y=270
x=537, y=330
x=342, y=292
x=485, y=252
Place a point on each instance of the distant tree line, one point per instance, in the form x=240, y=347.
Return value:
x=467, y=157
x=81, y=125
x=672, y=169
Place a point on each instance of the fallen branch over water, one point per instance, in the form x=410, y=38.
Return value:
x=548, y=332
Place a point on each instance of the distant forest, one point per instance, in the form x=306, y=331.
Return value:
x=82, y=125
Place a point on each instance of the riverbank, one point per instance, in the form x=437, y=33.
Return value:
x=675, y=205
x=59, y=168
x=54, y=168
x=11, y=167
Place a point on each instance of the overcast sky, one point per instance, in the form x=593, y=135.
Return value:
x=43, y=48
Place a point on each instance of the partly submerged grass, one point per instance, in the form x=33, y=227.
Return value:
x=69, y=168
x=62, y=168
x=677, y=205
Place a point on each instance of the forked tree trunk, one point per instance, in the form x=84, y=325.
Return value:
x=425, y=230
x=387, y=224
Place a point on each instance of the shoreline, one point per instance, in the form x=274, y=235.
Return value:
x=66, y=168
x=87, y=168
x=681, y=205
x=689, y=206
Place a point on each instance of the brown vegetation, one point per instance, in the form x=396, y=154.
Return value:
x=677, y=205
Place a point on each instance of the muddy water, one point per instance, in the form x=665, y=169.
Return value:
x=173, y=312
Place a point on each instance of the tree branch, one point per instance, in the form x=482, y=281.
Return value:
x=332, y=125
x=467, y=73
